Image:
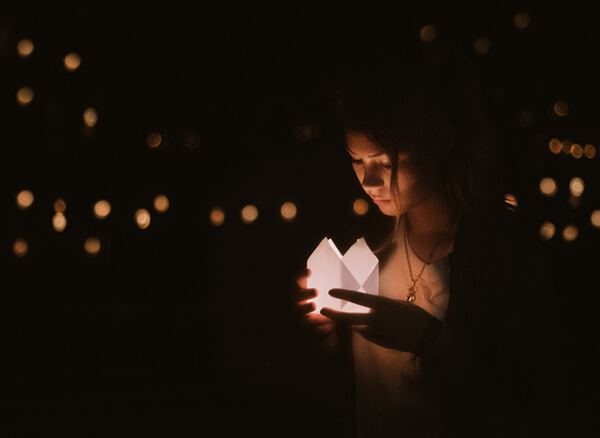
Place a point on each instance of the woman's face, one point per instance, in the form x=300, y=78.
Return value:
x=373, y=169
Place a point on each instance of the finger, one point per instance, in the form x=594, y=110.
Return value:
x=362, y=298
x=301, y=280
x=316, y=319
x=306, y=307
x=305, y=294
x=350, y=318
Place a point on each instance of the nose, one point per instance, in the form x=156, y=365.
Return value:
x=372, y=178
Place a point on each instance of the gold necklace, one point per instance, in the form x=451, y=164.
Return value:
x=412, y=290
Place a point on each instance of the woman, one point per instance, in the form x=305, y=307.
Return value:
x=454, y=341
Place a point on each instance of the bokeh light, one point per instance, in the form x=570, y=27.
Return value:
x=570, y=233
x=576, y=151
x=102, y=209
x=249, y=214
x=20, y=247
x=511, y=199
x=24, y=96
x=595, y=218
x=161, y=203
x=60, y=206
x=481, y=46
x=217, y=216
x=191, y=139
x=142, y=218
x=154, y=139
x=25, y=48
x=589, y=151
x=521, y=21
x=72, y=61
x=576, y=186
x=561, y=108
x=90, y=117
x=548, y=186
x=304, y=133
x=59, y=222
x=547, y=230
x=360, y=207
x=525, y=118
x=24, y=199
x=555, y=146
x=92, y=245
x=288, y=211
x=427, y=33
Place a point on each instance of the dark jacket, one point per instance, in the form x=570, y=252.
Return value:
x=498, y=376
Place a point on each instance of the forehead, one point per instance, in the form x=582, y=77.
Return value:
x=359, y=144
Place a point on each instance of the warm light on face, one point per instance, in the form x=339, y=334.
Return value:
x=90, y=117
x=59, y=222
x=576, y=186
x=249, y=214
x=288, y=211
x=60, y=205
x=24, y=96
x=360, y=207
x=92, y=246
x=25, y=48
x=521, y=21
x=24, y=199
x=161, y=203
x=427, y=33
x=20, y=248
x=217, y=216
x=72, y=61
x=595, y=218
x=561, y=108
x=102, y=209
x=142, y=218
x=555, y=146
x=548, y=186
x=481, y=46
x=570, y=233
x=154, y=140
x=511, y=199
x=547, y=230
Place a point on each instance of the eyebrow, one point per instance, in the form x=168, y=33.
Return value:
x=370, y=156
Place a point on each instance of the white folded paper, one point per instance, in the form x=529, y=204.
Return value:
x=356, y=270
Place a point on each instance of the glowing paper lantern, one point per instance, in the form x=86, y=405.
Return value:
x=357, y=270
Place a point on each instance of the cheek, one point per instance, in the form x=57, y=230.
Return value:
x=405, y=181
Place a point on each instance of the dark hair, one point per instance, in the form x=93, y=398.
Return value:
x=403, y=99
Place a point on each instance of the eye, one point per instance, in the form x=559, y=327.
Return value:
x=356, y=161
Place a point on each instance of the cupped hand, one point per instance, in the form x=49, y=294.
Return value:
x=387, y=322
x=316, y=321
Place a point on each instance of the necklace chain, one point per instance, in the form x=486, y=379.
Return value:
x=412, y=290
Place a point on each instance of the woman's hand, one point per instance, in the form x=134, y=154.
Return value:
x=390, y=323
x=322, y=325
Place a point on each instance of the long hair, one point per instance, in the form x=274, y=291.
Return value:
x=402, y=99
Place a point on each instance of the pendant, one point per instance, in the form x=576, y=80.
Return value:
x=411, y=295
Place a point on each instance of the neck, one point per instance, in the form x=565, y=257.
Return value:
x=431, y=220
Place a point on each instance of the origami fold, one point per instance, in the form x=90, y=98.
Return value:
x=357, y=269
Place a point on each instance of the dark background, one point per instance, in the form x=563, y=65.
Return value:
x=184, y=325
